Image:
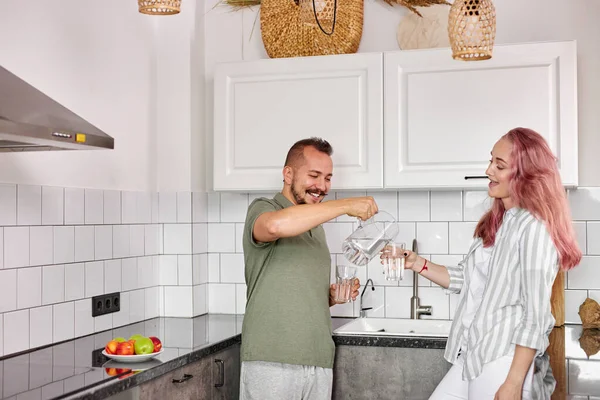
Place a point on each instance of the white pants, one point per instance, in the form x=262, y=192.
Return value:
x=275, y=381
x=483, y=387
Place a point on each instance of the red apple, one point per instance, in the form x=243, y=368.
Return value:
x=125, y=349
x=111, y=347
x=157, y=343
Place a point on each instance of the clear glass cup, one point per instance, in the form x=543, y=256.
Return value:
x=393, y=261
x=345, y=275
x=371, y=236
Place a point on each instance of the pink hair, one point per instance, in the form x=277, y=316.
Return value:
x=535, y=185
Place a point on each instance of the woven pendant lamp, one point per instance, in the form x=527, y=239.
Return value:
x=318, y=13
x=472, y=29
x=159, y=7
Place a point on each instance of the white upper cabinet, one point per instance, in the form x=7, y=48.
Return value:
x=263, y=107
x=442, y=116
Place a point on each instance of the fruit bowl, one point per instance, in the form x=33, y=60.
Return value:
x=133, y=358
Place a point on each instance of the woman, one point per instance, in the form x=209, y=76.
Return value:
x=503, y=317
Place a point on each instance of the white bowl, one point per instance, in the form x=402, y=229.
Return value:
x=135, y=358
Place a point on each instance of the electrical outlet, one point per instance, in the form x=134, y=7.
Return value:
x=106, y=304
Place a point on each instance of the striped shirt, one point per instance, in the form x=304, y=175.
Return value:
x=515, y=308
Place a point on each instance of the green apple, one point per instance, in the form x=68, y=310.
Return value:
x=136, y=336
x=120, y=339
x=143, y=345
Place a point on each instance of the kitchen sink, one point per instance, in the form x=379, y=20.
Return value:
x=395, y=327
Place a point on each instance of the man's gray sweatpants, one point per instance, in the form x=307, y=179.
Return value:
x=261, y=380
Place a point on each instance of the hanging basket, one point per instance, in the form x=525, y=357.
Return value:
x=472, y=29
x=285, y=35
x=159, y=7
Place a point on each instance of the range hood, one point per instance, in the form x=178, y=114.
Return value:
x=32, y=121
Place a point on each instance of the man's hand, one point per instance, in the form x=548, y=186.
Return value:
x=353, y=294
x=361, y=207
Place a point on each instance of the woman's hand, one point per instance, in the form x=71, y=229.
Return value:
x=509, y=391
x=410, y=258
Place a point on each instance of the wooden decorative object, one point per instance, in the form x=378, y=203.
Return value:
x=159, y=7
x=472, y=29
x=589, y=312
x=557, y=299
x=284, y=35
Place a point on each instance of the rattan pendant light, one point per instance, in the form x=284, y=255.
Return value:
x=319, y=13
x=472, y=29
x=159, y=7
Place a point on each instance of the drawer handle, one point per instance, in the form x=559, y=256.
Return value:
x=221, y=372
x=476, y=177
x=186, y=377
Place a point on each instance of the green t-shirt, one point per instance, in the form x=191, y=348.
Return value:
x=287, y=316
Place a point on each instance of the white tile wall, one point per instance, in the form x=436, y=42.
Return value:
x=61, y=246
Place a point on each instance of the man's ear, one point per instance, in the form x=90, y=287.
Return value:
x=288, y=175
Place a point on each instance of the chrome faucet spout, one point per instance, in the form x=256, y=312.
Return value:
x=416, y=309
x=363, y=313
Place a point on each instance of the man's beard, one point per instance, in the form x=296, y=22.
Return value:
x=299, y=198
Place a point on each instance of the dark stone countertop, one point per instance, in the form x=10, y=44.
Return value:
x=77, y=370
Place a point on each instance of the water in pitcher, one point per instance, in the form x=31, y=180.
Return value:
x=360, y=250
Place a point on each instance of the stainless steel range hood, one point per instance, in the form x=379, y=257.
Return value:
x=32, y=121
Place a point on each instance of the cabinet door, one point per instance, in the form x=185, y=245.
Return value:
x=226, y=374
x=442, y=116
x=191, y=382
x=263, y=107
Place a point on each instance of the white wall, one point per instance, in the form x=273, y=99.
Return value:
x=228, y=38
x=96, y=58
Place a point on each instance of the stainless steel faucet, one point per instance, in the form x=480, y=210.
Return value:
x=363, y=313
x=416, y=309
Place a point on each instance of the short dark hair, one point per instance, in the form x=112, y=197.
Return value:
x=296, y=152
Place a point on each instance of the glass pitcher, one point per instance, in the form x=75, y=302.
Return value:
x=371, y=236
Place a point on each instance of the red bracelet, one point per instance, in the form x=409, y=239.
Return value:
x=424, y=267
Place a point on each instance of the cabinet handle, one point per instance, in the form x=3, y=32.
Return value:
x=221, y=372
x=476, y=177
x=186, y=377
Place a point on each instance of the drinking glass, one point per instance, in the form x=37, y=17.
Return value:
x=393, y=261
x=344, y=278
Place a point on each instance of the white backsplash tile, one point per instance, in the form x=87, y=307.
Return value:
x=151, y=239
x=41, y=245
x=574, y=299
x=16, y=331
x=386, y=201
x=1, y=247
x=199, y=269
x=137, y=240
x=184, y=207
x=178, y=301
x=199, y=207
x=214, y=268
x=336, y=233
x=112, y=207
x=168, y=270
x=397, y=302
x=581, y=234
x=438, y=300
x=446, y=206
x=145, y=271
x=200, y=296
x=94, y=207
x=103, y=322
x=151, y=302
x=16, y=247
x=585, y=203
x=200, y=238
x=137, y=305
x=413, y=206
x=234, y=207
x=585, y=275
x=121, y=317
x=94, y=278
x=29, y=287
x=129, y=208
x=184, y=270
x=375, y=299
x=74, y=281
x=53, y=205
x=103, y=242
x=154, y=208
x=178, y=238
x=40, y=323
x=593, y=238
x=53, y=284
x=129, y=274
x=63, y=321
x=221, y=298
x=232, y=268
x=121, y=243
x=221, y=238
x=214, y=207
x=461, y=236
x=112, y=276
x=239, y=237
x=8, y=290
x=167, y=207
x=29, y=205
x=8, y=199
x=432, y=237
x=144, y=204
x=64, y=244
x=74, y=206
x=84, y=243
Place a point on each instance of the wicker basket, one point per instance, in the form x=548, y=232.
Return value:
x=472, y=29
x=284, y=34
x=159, y=7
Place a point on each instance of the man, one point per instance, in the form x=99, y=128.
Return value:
x=287, y=348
